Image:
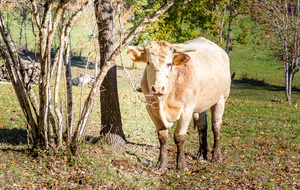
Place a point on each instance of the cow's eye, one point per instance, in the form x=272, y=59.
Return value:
x=148, y=63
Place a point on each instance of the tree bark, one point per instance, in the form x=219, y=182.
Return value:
x=288, y=85
x=69, y=95
x=12, y=62
x=110, y=110
x=230, y=24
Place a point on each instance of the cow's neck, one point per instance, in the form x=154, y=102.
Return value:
x=166, y=111
x=162, y=113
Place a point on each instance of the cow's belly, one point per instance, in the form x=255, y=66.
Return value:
x=203, y=106
x=208, y=97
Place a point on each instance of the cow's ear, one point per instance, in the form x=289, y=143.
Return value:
x=137, y=55
x=181, y=59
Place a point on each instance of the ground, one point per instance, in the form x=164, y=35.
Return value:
x=259, y=143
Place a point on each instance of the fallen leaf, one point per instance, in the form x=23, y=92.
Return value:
x=281, y=149
x=56, y=183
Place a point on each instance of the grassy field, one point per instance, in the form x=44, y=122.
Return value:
x=260, y=144
x=260, y=139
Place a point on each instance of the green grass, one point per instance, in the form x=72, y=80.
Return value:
x=260, y=147
x=260, y=139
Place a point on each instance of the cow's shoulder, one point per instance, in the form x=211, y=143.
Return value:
x=184, y=81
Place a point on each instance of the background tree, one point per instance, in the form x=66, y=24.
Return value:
x=187, y=20
x=236, y=8
x=111, y=122
x=184, y=21
x=280, y=20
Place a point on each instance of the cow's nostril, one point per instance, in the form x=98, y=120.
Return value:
x=158, y=89
x=153, y=89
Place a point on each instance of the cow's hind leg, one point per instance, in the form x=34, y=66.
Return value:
x=216, y=118
x=163, y=155
x=201, y=123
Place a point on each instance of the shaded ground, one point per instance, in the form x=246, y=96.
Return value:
x=253, y=89
x=14, y=137
x=260, y=85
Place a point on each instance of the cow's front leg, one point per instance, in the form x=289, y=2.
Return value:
x=201, y=123
x=179, y=137
x=181, y=163
x=163, y=155
x=217, y=112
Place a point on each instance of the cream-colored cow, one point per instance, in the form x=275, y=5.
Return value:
x=182, y=80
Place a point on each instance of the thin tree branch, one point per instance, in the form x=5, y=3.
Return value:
x=121, y=56
x=35, y=12
x=15, y=74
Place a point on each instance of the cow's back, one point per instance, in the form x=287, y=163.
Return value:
x=213, y=72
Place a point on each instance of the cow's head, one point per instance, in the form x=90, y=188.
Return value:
x=160, y=57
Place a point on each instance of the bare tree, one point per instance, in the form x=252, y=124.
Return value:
x=236, y=8
x=281, y=19
x=44, y=118
x=23, y=11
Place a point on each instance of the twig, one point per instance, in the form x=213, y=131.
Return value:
x=121, y=57
x=86, y=67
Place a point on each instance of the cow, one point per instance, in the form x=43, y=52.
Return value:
x=182, y=81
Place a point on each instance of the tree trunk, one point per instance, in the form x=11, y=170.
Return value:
x=110, y=110
x=69, y=95
x=134, y=65
x=18, y=77
x=21, y=27
x=288, y=84
x=23, y=19
x=230, y=24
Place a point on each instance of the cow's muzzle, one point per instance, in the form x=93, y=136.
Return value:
x=158, y=90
